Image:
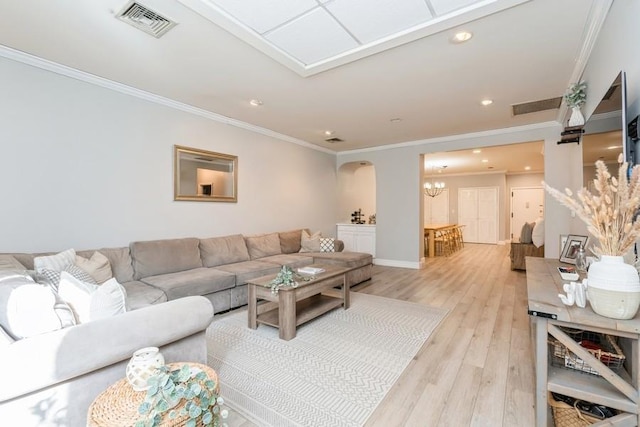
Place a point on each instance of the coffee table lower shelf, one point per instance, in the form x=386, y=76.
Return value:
x=307, y=309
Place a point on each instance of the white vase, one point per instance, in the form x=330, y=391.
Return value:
x=613, y=288
x=576, y=119
x=142, y=365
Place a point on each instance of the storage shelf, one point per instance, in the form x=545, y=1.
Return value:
x=591, y=388
x=306, y=310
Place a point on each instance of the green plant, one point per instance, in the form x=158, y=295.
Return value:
x=286, y=277
x=168, y=387
x=576, y=95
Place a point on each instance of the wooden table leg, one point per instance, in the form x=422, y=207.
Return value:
x=287, y=315
x=346, y=292
x=252, y=307
x=541, y=371
x=432, y=243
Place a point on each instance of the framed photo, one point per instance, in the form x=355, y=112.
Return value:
x=563, y=240
x=571, y=247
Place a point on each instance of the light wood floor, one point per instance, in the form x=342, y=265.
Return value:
x=477, y=367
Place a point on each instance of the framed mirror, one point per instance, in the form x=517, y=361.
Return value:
x=204, y=176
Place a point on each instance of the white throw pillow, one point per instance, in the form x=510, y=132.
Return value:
x=92, y=302
x=310, y=243
x=537, y=235
x=97, y=266
x=57, y=262
x=27, y=309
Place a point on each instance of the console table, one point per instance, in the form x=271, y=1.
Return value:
x=619, y=390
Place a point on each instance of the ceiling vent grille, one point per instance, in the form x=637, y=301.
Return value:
x=535, y=106
x=145, y=19
x=334, y=140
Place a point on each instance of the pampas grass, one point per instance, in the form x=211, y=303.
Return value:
x=610, y=214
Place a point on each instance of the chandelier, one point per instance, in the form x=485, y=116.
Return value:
x=434, y=188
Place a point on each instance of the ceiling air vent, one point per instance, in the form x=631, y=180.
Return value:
x=145, y=19
x=535, y=106
x=334, y=140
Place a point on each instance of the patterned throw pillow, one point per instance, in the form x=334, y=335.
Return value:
x=52, y=277
x=327, y=244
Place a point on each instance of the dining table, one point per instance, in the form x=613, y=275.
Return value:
x=430, y=232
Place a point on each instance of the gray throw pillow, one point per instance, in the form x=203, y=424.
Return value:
x=525, y=234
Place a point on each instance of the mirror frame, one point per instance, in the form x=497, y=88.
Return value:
x=180, y=152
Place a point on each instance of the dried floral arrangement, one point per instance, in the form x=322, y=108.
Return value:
x=610, y=214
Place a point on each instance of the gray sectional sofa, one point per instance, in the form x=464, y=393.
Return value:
x=55, y=376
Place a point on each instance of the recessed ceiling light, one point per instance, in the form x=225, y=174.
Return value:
x=477, y=151
x=486, y=102
x=328, y=132
x=485, y=160
x=527, y=168
x=396, y=120
x=255, y=102
x=461, y=37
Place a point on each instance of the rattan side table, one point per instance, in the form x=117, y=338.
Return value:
x=117, y=406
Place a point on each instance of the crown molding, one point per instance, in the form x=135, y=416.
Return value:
x=54, y=67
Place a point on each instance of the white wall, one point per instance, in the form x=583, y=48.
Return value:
x=85, y=167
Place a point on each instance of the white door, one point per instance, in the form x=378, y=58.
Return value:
x=527, y=204
x=436, y=209
x=488, y=215
x=468, y=213
x=478, y=212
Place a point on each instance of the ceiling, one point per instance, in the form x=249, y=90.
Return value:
x=407, y=90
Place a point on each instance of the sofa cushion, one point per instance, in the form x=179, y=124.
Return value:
x=120, y=262
x=346, y=259
x=91, y=302
x=198, y=281
x=140, y=295
x=310, y=242
x=290, y=241
x=247, y=270
x=98, y=266
x=217, y=251
x=290, y=260
x=157, y=257
x=263, y=245
x=9, y=262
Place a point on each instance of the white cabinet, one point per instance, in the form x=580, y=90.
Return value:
x=358, y=237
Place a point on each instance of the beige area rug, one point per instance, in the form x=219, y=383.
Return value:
x=336, y=370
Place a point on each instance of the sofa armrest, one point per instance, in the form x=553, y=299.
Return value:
x=40, y=361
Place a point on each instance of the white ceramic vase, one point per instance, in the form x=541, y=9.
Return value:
x=576, y=119
x=613, y=288
x=142, y=365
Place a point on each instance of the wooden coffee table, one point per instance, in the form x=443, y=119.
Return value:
x=294, y=306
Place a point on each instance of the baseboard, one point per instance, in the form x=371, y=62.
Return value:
x=397, y=263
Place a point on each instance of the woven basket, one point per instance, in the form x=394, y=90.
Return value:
x=565, y=415
x=117, y=406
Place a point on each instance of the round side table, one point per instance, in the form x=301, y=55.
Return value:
x=117, y=406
